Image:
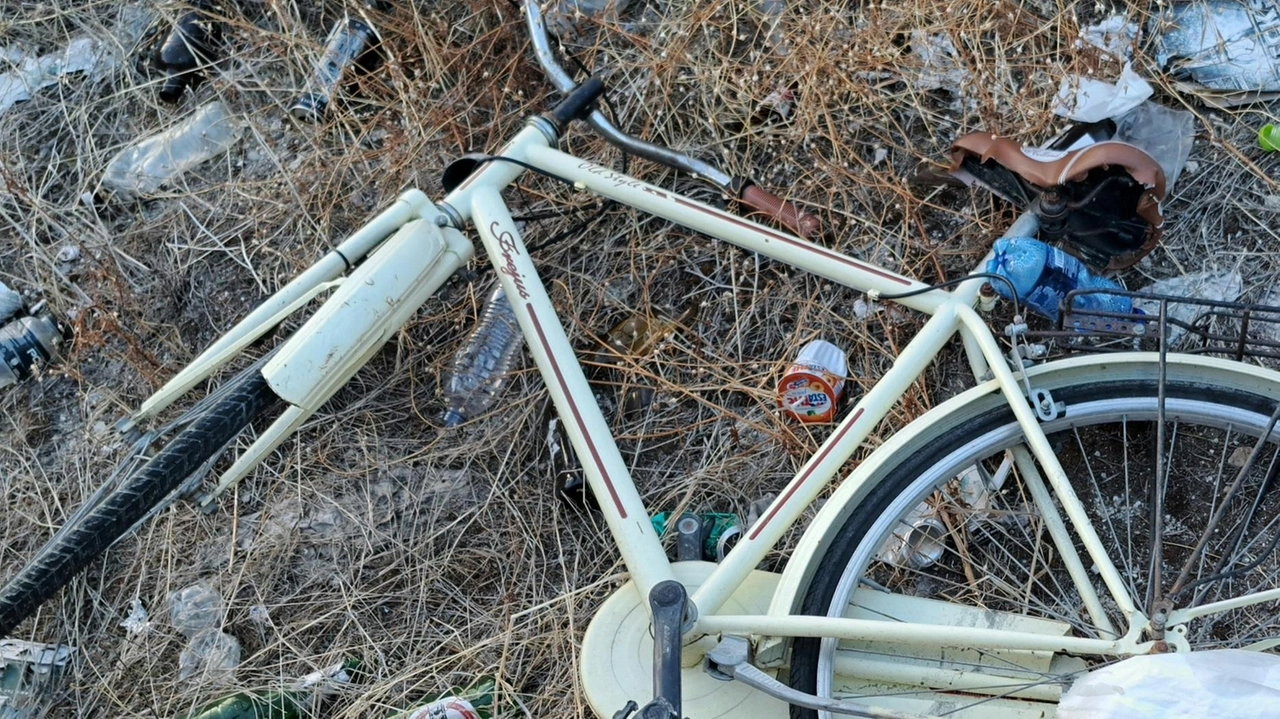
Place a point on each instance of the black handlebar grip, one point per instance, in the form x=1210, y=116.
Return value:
x=578, y=103
x=788, y=213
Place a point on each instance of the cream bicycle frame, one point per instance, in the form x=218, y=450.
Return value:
x=479, y=201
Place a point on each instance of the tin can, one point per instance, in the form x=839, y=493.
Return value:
x=723, y=532
x=813, y=383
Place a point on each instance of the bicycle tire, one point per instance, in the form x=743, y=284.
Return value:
x=74, y=547
x=926, y=467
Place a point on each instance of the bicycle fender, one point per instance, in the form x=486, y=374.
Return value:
x=373, y=302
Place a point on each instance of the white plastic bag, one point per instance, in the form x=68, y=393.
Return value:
x=1196, y=685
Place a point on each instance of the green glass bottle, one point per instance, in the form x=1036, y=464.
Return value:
x=474, y=702
x=293, y=703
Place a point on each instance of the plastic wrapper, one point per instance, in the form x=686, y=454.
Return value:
x=1164, y=133
x=195, y=609
x=1225, y=51
x=211, y=655
x=1087, y=100
x=1208, y=285
x=1188, y=685
x=564, y=17
x=197, y=613
x=32, y=74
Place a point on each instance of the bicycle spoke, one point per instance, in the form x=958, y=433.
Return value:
x=1061, y=538
x=1148, y=487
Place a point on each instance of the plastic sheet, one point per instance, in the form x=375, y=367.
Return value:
x=1189, y=685
x=1225, y=51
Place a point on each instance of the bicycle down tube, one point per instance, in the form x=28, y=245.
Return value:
x=478, y=197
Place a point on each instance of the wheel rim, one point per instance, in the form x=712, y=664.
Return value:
x=1113, y=518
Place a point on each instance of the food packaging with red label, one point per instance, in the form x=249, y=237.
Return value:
x=811, y=387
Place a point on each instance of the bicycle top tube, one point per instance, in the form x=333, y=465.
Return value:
x=531, y=148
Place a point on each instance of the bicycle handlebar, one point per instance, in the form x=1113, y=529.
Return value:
x=600, y=123
x=785, y=211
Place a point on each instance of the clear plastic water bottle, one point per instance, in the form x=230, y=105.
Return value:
x=352, y=41
x=481, y=368
x=144, y=167
x=1043, y=275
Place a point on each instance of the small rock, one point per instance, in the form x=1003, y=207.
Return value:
x=1240, y=456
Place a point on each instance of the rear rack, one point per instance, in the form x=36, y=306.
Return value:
x=1190, y=326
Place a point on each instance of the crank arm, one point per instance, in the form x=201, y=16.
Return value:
x=730, y=661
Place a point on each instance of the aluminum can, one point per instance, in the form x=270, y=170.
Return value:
x=812, y=385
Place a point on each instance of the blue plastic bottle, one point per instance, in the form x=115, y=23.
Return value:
x=1043, y=276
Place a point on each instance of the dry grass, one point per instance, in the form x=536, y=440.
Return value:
x=439, y=555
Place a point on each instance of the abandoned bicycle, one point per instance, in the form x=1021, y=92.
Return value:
x=1053, y=518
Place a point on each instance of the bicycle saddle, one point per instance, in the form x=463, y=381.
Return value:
x=1101, y=202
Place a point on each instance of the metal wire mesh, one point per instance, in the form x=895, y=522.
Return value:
x=1191, y=326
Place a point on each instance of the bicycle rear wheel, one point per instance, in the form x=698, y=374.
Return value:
x=953, y=529
x=92, y=531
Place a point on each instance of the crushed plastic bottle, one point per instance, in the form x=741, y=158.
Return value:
x=143, y=168
x=352, y=41
x=480, y=369
x=196, y=612
x=1043, y=275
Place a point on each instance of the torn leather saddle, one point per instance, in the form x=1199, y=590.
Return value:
x=1101, y=202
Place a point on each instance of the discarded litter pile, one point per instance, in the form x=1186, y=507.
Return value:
x=164, y=168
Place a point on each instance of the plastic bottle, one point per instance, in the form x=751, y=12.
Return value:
x=189, y=46
x=141, y=169
x=26, y=342
x=294, y=703
x=480, y=368
x=10, y=302
x=1043, y=275
x=474, y=702
x=352, y=41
